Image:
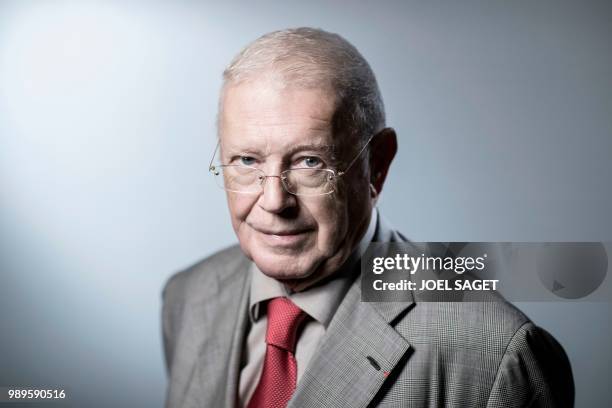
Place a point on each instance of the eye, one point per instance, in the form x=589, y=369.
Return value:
x=247, y=160
x=312, y=161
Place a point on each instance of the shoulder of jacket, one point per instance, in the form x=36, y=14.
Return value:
x=204, y=273
x=492, y=324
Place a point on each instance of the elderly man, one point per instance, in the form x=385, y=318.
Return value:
x=277, y=321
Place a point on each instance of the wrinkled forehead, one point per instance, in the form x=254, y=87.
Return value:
x=266, y=116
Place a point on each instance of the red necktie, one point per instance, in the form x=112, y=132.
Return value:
x=279, y=375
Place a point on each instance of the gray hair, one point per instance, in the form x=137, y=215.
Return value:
x=314, y=58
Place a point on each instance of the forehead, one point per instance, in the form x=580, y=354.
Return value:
x=267, y=114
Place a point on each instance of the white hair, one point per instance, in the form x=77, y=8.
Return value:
x=314, y=58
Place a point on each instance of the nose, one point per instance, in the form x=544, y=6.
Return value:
x=275, y=198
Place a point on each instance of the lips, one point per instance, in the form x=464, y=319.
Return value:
x=281, y=232
x=288, y=238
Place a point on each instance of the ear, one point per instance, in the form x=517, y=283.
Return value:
x=382, y=151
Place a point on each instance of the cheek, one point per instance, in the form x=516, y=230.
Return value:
x=332, y=217
x=239, y=206
x=357, y=191
x=339, y=210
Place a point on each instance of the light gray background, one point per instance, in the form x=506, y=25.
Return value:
x=107, y=110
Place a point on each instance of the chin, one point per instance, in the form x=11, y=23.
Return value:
x=284, y=266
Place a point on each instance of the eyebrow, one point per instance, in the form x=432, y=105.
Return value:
x=327, y=149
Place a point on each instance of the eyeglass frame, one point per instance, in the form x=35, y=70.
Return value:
x=334, y=175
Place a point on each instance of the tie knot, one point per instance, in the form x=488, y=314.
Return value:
x=284, y=319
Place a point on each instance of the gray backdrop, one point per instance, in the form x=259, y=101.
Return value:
x=107, y=110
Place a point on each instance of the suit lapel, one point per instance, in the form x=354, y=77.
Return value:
x=238, y=340
x=356, y=356
x=219, y=322
x=359, y=351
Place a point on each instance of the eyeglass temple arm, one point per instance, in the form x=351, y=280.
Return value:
x=341, y=173
x=210, y=165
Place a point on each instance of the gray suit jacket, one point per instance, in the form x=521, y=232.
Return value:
x=426, y=354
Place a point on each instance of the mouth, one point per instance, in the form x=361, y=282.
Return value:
x=283, y=237
x=281, y=232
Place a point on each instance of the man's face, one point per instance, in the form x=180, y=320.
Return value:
x=296, y=239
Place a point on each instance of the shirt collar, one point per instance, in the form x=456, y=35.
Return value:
x=321, y=301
